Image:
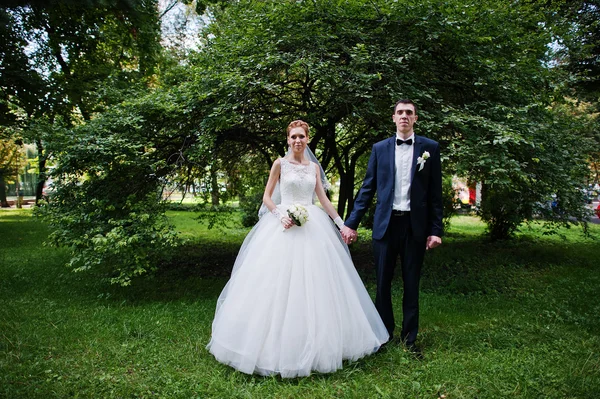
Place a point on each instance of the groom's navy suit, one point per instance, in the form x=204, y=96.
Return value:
x=403, y=233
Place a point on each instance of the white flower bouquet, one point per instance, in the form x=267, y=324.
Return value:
x=298, y=214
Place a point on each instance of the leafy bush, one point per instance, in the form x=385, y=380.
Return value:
x=449, y=201
x=121, y=239
x=521, y=161
x=502, y=210
x=250, y=204
x=106, y=207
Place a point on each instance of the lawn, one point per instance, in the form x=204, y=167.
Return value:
x=517, y=319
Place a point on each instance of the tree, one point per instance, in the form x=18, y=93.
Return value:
x=107, y=206
x=581, y=59
x=11, y=162
x=470, y=66
x=523, y=157
x=255, y=77
x=480, y=71
x=68, y=60
x=580, y=46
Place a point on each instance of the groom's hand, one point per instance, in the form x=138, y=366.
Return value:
x=433, y=241
x=349, y=235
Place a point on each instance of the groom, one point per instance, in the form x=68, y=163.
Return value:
x=405, y=172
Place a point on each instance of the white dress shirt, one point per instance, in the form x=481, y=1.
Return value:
x=402, y=175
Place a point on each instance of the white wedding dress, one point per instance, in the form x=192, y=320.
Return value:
x=294, y=302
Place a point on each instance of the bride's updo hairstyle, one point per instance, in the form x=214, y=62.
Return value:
x=298, y=123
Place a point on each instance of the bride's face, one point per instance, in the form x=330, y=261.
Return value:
x=297, y=139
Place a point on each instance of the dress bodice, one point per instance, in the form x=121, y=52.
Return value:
x=297, y=183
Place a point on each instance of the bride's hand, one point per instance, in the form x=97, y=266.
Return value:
x=287, y=222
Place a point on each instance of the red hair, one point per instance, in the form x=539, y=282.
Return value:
x=298, y=123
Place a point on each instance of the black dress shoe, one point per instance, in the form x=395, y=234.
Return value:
x=415, y=351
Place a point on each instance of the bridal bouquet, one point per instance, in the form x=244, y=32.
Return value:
x=298, y=214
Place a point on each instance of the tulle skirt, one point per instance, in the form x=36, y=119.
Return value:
x=294, y=303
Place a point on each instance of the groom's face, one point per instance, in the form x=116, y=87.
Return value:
x=404, y=117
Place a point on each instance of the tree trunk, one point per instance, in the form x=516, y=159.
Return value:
x=39, y=189
x=346, y=170
x=343, y=196
x=348, y=188
x=3, y=200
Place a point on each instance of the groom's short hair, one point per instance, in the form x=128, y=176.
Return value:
x=404, y=101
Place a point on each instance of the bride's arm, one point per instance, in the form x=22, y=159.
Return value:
x=271, y=183
x=325, y=203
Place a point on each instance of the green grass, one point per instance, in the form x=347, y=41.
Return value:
x=518, y=319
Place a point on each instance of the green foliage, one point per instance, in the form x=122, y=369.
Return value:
x=503, y=211
x=215, y=216
x=12, y=159
x=106, y=206
x=522, y=156
x=251, y=187
x=119, y=240
x=250, y=203
x=259, y=74
x=62, y=62
x=479, y=71
x=369, y=217
x=118, y=128
x=580, y=53
x=449, y=201
x=78, y=47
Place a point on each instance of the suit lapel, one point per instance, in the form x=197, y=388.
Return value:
x=391, y=150
x=416, y=154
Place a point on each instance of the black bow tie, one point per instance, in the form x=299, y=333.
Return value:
x=400, y=142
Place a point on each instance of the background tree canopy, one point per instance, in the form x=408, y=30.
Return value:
x=67, y=61
x=497, y=83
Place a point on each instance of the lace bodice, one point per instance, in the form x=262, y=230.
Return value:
x=297, y=183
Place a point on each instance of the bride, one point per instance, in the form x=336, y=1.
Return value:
x=294, y=302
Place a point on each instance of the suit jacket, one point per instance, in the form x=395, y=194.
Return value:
x=425, y=190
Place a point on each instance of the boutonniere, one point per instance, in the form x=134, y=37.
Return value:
x=422, y=159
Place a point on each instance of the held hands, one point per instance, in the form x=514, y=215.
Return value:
x=432, y=242
x=348, y=235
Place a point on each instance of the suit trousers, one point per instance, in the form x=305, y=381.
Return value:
x=399, y=240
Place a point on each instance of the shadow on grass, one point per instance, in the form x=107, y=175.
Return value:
x=465, y=265
x=18, y=234
x=474, y=265
x=194, y=271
